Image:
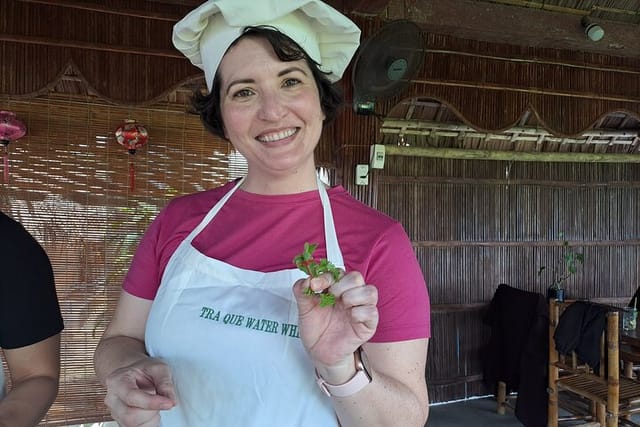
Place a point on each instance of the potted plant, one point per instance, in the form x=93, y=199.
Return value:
x=564, y=268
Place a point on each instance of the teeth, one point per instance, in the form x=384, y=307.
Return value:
x=277, y=136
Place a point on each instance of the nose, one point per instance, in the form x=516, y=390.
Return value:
x=272, y=107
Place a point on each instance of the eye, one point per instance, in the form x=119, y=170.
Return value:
x=243, y=93
x=291, y=82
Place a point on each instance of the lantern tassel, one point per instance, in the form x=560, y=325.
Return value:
x=132, y=176
x=5, y=161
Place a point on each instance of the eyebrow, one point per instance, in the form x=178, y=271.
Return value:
x=280, y=74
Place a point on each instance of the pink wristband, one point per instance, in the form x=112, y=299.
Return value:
x=361, y=379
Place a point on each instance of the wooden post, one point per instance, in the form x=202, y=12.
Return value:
x=501, y=397
x=613, y=368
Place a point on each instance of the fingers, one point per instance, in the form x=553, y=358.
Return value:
x=353, y=291
x=350, y=287
x=367, y=315
x=134, y=417
x=137, y=393
x=163, y=382
x=165, y=388
x=137, y=398
x=324, y=281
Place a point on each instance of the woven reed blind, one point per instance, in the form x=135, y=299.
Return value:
x=69, y=187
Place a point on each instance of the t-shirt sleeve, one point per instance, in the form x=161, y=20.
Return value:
x=165, y=234
x=144, y=274
x=403, y=298
x=29, y=308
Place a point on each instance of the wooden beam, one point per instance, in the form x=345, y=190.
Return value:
x=46, y=41
x=500, y=23
x=388, y=179
x=361, y=7
x=454, y=308
x=191, y=3
x=74, y=4
x=524, y=244
x=518, y=156
x=526, y=90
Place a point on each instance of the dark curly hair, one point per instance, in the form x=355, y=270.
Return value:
x=208, y=105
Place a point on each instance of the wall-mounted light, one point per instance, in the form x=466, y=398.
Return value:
x=592, y=29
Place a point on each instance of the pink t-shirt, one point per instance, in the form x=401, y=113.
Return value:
x=265, y=233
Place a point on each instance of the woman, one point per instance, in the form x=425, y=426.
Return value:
x=215, y=325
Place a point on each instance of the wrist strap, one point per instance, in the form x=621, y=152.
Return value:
x=360, y=380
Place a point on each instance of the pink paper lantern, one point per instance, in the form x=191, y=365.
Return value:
x=11, y=129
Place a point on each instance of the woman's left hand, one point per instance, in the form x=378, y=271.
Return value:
x=331, y=334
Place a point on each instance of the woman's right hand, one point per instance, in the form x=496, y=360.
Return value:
x=137, y=393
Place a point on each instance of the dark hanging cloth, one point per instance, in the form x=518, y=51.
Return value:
x=635, y=299
x=579, y=329
x=518, y=350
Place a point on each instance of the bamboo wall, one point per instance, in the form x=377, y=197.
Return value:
x=476, y=224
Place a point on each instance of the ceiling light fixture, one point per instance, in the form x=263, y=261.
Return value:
x=593, y=30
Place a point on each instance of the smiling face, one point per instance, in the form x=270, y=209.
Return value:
x=271, y=113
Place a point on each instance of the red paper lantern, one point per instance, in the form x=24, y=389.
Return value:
x=11, y=129
x=131, y=136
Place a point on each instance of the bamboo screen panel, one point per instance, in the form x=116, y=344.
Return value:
x=69, y=186
x=476, y=224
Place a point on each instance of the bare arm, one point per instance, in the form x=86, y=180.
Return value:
x=398, y=393
x=123, y=342
x=35, y=370
x=138, y=386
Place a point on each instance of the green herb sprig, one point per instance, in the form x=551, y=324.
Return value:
x=313, y=268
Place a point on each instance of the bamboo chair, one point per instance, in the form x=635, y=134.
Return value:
x=609, y=396
x=630, y=359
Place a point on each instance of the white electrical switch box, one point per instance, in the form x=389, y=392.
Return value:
x=362, y=174
x=376, y=154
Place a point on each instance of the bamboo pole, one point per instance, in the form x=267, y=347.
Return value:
x=518, y=156
x=526, y=90
x=76, y=44
x=431, y=127
x=613, y=369
x=147, y=14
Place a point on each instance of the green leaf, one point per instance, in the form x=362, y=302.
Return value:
x=313, y=268
x=327, y=299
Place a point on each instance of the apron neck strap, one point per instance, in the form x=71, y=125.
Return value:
x=334, y=254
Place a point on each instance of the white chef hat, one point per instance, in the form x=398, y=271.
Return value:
x=326, y=35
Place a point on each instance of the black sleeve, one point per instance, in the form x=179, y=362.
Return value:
x=29, y=309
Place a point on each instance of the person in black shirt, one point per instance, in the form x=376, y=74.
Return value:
x=30, y=326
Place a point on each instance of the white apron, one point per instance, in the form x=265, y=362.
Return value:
x=231, y=339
